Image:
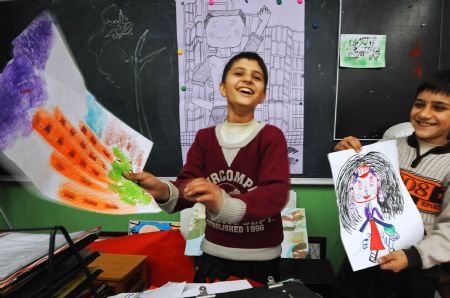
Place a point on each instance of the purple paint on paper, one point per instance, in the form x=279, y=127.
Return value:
x=21, y=86
x=35, y=41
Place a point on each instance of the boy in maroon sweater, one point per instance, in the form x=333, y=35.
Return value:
x=239, y=170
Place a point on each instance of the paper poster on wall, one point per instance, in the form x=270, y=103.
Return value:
x=295, y=241
x=376, y=213
x=209, y=35
x=54, y=130
x=362, y=51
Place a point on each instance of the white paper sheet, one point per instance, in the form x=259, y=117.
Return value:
x=60, y=136
x=377, y=215
x=178, y=290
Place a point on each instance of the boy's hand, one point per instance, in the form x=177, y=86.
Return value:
x=395, y=261
x=159, y=190
x=203, y=191
x=348, y=143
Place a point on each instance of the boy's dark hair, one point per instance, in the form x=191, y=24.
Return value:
x=438, y=82
x=250, y=56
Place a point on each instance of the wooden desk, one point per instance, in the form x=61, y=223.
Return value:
x=124, y=273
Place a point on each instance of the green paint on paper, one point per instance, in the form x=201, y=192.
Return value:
x=128, y=191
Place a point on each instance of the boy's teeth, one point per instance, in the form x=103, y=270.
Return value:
x=245, y=90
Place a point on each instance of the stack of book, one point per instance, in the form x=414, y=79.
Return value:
x=37, y=264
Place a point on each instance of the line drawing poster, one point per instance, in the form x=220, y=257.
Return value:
x=54, y=130
x=362, y=51
x=209, y=35
x=376, y=213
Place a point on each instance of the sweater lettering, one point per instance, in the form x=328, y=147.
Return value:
x=231, y=176
x=225, y=227
x=426, y=193
x=249, y=227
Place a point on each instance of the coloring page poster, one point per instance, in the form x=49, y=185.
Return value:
x=376, y=213
x=362, y=51
x=54, y=130
x=209, y=35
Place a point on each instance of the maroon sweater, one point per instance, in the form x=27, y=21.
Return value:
x=258, y=175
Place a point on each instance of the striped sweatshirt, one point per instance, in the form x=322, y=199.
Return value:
x=427, y=178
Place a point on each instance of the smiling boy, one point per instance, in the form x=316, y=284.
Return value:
x=239, y=170
x=424, y=159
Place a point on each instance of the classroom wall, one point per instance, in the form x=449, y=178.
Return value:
x=25, y=208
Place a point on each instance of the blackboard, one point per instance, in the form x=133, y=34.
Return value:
x=81, y=20
x=371, y=100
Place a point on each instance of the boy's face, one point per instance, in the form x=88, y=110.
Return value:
x=244, y=86
x=430, y=116
x=224, y=31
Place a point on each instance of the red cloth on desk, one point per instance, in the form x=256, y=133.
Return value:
x=164, y=250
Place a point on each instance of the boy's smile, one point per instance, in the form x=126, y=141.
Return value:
x=244, y=88
x=430, y=116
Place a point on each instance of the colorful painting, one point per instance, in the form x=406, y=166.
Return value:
x=54, y=130
x=295, y=242
x=147, y=226
x=362, y=51
x=376, y=213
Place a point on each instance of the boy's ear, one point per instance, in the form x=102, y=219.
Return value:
x=222, y=90
x=262, y=98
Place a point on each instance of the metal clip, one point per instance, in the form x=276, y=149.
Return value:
x=204, y=294
x=272, y=284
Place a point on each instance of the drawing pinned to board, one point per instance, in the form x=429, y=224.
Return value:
x=53, y=129
x=211, y=34
x=362, y=51
x=376, y=212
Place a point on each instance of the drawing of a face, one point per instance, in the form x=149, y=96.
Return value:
x=224, y=31
x=365, y=185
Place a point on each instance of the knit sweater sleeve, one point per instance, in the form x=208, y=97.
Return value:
x=193, y=168
x=435, y=248
x=271, y=193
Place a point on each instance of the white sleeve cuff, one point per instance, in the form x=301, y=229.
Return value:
x=173, y=197
x=232, y=211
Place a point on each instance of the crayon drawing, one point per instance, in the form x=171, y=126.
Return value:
x=362, y=51
x=209, y=35
x=148, y=226
x=54, y=130
x=376, y=212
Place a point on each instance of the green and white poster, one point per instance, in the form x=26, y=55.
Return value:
x=362, y=51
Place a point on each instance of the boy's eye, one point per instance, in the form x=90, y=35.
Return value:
x=440, y=108
x=419, y=104
x=258, y=78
